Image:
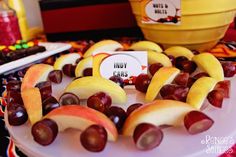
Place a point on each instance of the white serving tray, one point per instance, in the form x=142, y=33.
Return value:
x=51, y=49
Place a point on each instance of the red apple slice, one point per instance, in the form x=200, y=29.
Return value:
x=80, y=117
x=159, y=112
x=35, y=74
x=33, y=104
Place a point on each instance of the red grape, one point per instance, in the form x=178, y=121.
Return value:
x=182, y=79
x=133, y=107
x=188, y=66
x=153, y=68
x=199, y=75
x=179, y=61
x=142, y=82
x=172, y=59
x=147, y=136
x=191, y=81
x=50, y=104
x=196, y=122
x=118, y=80
x=99, y=101
x=15, y=97
x=88, y=72
x=69, y=70
x=174, y=92
x=94, y=138
x=215, y=98
x=44, y=131
x=45, y=89
x=78, y=60
x=69, y=99
x=229, y=69
x=224, y=87
x=117, y=116
x=17, y=114
x=55, y=76
x=14, y=85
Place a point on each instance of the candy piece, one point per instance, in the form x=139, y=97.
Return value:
x=18, y=41
x=2, y=47
x=25, y=46
x=12, y=48
x=30, y=44
x=18, y=46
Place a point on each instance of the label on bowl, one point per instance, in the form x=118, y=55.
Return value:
x=126, y=64
x=161, y=11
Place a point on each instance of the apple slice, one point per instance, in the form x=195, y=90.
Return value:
x=159, y=112
x=33, y=104
x=82, y=65
x=80, y=117
x=66, y=59
x=97, y=59
x=163, y=76
x=199, y=91
x=154, y=57
x=102, y=46
x=210, y=64
x=178, y=51
x=35, y=74
x=146, y=45
x=87, y=86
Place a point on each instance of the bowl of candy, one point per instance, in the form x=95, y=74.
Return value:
x=202, y=25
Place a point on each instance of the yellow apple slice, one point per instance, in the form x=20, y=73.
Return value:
x=177, y=51
x=35, y=74
x=154, y=57
x=82, y=65
x=210, y=64
x=97, y=59
x=146, y=45
x=102, y=46
x=66, y=59
x=163, y=76
x=86, y=86
x=199, y=91
x=80, y=117
x=33, y=104
x=159, y=112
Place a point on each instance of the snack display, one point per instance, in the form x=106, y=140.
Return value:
x=176, y=92
x=19, y=50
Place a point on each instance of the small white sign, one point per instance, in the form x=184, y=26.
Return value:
x=161, y=11
x=126, y=64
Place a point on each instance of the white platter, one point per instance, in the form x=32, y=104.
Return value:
x=51, y=49
x=176, y=143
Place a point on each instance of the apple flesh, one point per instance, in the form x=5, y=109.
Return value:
x=210, y=64
x=178, y=51
x=199, y=91
x=35, y=74
x=70, y=58
x=97, y=60
x=80, y=117
x=82, y=65
x=163, y=76
x=33, y=104
x=102, y=46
